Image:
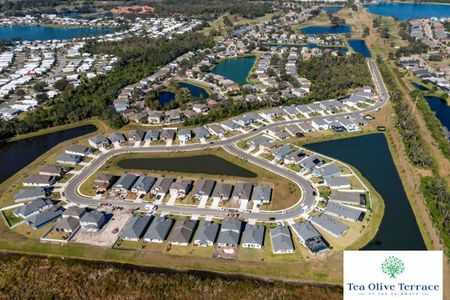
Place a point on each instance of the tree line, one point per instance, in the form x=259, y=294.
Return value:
x=434, y=188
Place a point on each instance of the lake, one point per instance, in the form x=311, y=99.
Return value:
x=334, y=29
x=16, y=155
x=236, y=69
x=196, y=92
x=360, y=46
x=405, y=11
x=332, y=9
x=441, y=109
x=419, y=86
x=204, y=164
x=370, y=155
x=42, y=33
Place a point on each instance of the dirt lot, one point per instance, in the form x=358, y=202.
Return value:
x=107, y=236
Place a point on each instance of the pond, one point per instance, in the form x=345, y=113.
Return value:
x=204, y=164
x=236, y=69
x=332, y=29
x=16, y=155
x=196, y=91
x=331, y=8
x=42, y=33
x=440, y=107
x=405, y=11
x=419, y=86
x=360, y=46
x=165, y=97
x=370, y=155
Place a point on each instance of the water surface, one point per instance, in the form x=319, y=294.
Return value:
x=16, y=155
x=360, y=46
x=441, y=109
x=42, y=33
x=405, y=11
x=236, y=69
x=370, y=155
x=196, y=91
x=419, y=86
x=333, y=29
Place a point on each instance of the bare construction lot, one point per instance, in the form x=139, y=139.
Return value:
x=107, y=236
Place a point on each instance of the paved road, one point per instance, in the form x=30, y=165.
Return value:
x=72, y=194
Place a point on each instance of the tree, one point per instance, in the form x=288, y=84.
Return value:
x=366, y=31
x=39, y=86
x=20, y=92
x=42, y=97
x=61, y=84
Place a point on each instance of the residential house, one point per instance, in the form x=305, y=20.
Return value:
x=222, y=191
x=327, y=171
x=168, y=134
x=40, y=180
x=217, y=130
x=181, y=187
x=152, y=135
x=309, y=237
x=281, y=240
x=344, y=212
x=338, y=183
x=136, y=135
x=93, y=221
x=203, y=188
x=206, y=234
x=253, y=236
x=74, y=212
x=79, y=150
x=230, y=233
x=162, y=186
x=242, y=191
x=352, y=198
x=32, y=208
x=182, y=232
x=103, y=182
x=67, y=225
x=98, y=142
x=117, y=138
x=262, y=194
x=282, y=152
x=201, y=133
x=329, y=224
x=294, y=157
x=155, y=117
x=53, y=170
x=184, y=135
x=135, y=228
x=143, y=185
x=44, y=217
x=68, y=159
x=125, y=183
x=30, y=194
x=158, y=230
x=311, y=162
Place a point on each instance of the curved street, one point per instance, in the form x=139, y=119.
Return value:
x=306, y=202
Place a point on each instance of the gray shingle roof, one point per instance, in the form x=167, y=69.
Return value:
x=183, y=231
x=204, y=187
x=159, y=229
x=230, y=232
x=281, y=239
x=30, y=194
x=135, y=227
x=253, y=234
x=305, y=231
x=44, y=217
x=329, y=224
x=32, y=207
x=262, y=193
x=143, y=184
x=125, y=182
x=206, y=232
x=343, y=211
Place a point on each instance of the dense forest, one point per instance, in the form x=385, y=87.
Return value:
x=22, y=278
x=140, y=57
x=332, y=76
